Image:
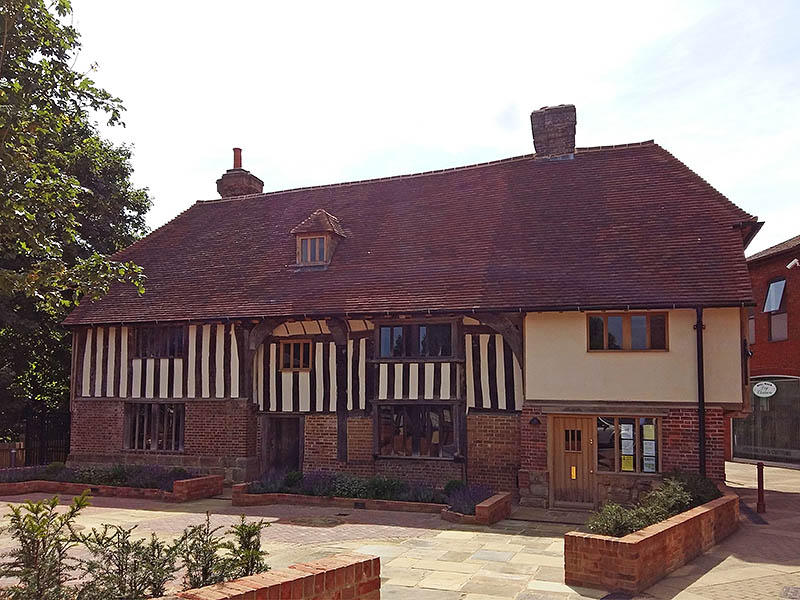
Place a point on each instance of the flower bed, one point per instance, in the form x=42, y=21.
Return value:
x=636, y=561
x=155, y=483
x=493, y=509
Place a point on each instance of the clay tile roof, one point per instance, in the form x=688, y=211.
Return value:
x=789, y=244
x=614, y=227
x=320, y=221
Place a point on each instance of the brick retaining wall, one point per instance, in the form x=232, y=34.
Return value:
x=638, y=560
x=344, y=576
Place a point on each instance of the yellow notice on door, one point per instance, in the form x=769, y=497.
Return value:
x=627, y=463
x=573, y=472
x=649, y=432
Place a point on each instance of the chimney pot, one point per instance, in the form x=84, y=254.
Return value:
x=554, y=130
x=238, y=181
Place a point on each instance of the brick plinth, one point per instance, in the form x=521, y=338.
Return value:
x=532, y=476
x=360, y=446
x=420, y=470
x=320, y=443
x=219, y=437
x=493, y=450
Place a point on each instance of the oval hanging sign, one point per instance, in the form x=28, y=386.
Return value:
x=764, y=389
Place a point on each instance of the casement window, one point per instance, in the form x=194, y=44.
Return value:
x=628, y=445
x=417, y=430
x=311, y=250
x=416, y=340
x=774, y=305
x=627, y=331
x=296, y=355
x=154, y=426
x=158, y=341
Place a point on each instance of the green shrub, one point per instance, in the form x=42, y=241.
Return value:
x=348, y=486
x=200, y=549
x=293, y=479
x=384, y=488
x=677, y=493
x=453, y=485
x=121, y=568
x=246, y=556
x=39, y=560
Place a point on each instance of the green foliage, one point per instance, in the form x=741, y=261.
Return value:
x=39, y=560
x=123, y=568
x=677, y=493
x=453, y=485
x=384, y=488
x=246, y=556
x=348, y=486
x=293, y=478
x=66, y=202
x=200, y=549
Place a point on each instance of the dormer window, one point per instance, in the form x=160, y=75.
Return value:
x=311, y=250
x=317, y=238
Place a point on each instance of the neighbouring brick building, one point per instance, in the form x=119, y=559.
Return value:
x=771, y=432
x=549, y=324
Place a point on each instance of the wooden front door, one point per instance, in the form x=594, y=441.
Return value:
x=572, y=473
x=282, y=444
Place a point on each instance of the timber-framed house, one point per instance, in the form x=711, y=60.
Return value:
x=554, y=324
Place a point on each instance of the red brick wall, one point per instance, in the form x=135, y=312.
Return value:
x=493, y=455
x=351, y=576
x=220, y=427
x=679, y=432
x=319, y=445
x=96, y=426
x=533, y=439
x=776, y=358
x=419, y=470
x=360, y=446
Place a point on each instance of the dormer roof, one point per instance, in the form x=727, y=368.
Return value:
x=320, y=221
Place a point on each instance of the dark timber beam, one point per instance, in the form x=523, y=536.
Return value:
x=510, y=328
x=340, y=333
x=339, y=330
x=260, y=332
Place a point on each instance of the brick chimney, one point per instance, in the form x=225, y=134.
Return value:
x=554, y=131
x=238, y=181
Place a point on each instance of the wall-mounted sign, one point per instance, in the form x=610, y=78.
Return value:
x=764, y=389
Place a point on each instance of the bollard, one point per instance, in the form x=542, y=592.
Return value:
x=13, y=459
x=760, y=508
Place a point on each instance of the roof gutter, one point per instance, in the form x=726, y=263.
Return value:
x=701, y=392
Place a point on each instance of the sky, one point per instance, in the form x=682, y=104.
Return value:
x=326, y=92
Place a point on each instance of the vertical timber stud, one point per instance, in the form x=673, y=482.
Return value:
x=701, y=392
x=339, y=331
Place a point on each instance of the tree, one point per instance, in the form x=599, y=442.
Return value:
x=66, y=201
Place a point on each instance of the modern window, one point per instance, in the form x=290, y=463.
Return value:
x=159, y=341
x=627, y=331
x=296, y=355
x=311, y=250
x=774, y=305
x=433, y=340
x=417, y=430
x=154, y=426
x=628, y=445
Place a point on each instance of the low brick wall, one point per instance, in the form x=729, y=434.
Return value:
x=241, y=497
x=638, y=560
x=350, y=576
x=491, y=510
x=183, y=490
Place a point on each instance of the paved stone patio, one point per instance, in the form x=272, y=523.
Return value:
x=425, y=558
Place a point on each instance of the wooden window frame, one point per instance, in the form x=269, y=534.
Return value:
x=300, y=369
x=156, y=341
x=139, y=437
x=456, y=409
x=316, y=236
x=415, y=339
x=638, y=449
x=626, y=331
